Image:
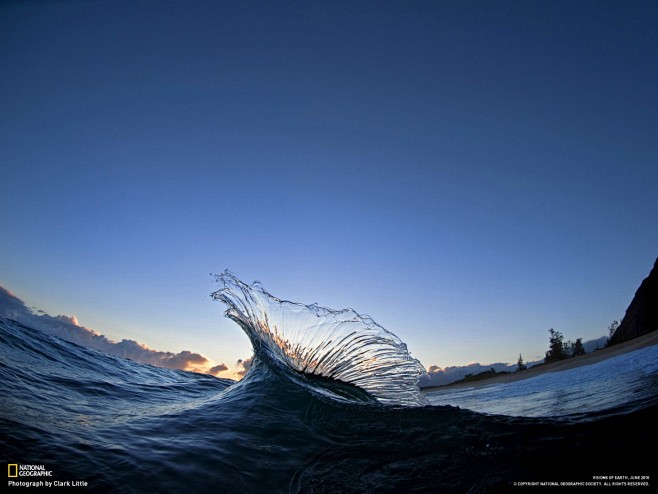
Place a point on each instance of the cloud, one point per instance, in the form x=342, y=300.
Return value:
x=217, y=369
x=244, y=366
x=10, y=304
x=437, y=376
x=67, y=319
x=68, y=328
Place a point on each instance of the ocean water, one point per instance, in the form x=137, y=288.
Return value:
x=329, y=405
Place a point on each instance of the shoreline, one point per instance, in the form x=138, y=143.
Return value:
x=570, y=363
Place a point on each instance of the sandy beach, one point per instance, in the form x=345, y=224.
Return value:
x=571, y=363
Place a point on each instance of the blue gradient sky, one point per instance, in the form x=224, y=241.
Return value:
x=469, y=174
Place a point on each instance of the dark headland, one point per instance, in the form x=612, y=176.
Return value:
x=642, y=314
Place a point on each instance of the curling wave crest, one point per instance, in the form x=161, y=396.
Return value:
x=339, y=345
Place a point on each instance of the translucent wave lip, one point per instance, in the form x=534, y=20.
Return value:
x=341, y=345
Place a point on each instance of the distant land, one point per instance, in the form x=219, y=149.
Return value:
x=437, y=376
x=637, y=330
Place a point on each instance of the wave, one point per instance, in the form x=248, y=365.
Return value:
x=129, y=428
x=334, y=345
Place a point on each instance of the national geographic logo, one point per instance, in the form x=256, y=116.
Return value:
x=18, y=470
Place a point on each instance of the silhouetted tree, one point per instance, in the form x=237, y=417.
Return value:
x=568, y=345
x=520, y=365
x=611, y=330
x=577, y=348
x=557, y=349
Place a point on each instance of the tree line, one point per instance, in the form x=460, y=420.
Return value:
x=558, y=349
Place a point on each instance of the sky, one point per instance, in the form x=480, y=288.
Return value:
x=469, y=174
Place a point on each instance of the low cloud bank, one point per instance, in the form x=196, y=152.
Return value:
x=437, y=376
x=68, y=328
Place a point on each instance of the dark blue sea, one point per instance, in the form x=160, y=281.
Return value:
x=330, y=405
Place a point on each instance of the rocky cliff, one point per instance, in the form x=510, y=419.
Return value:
x=642, y=315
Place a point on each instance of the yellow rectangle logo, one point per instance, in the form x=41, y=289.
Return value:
x=13, y=470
